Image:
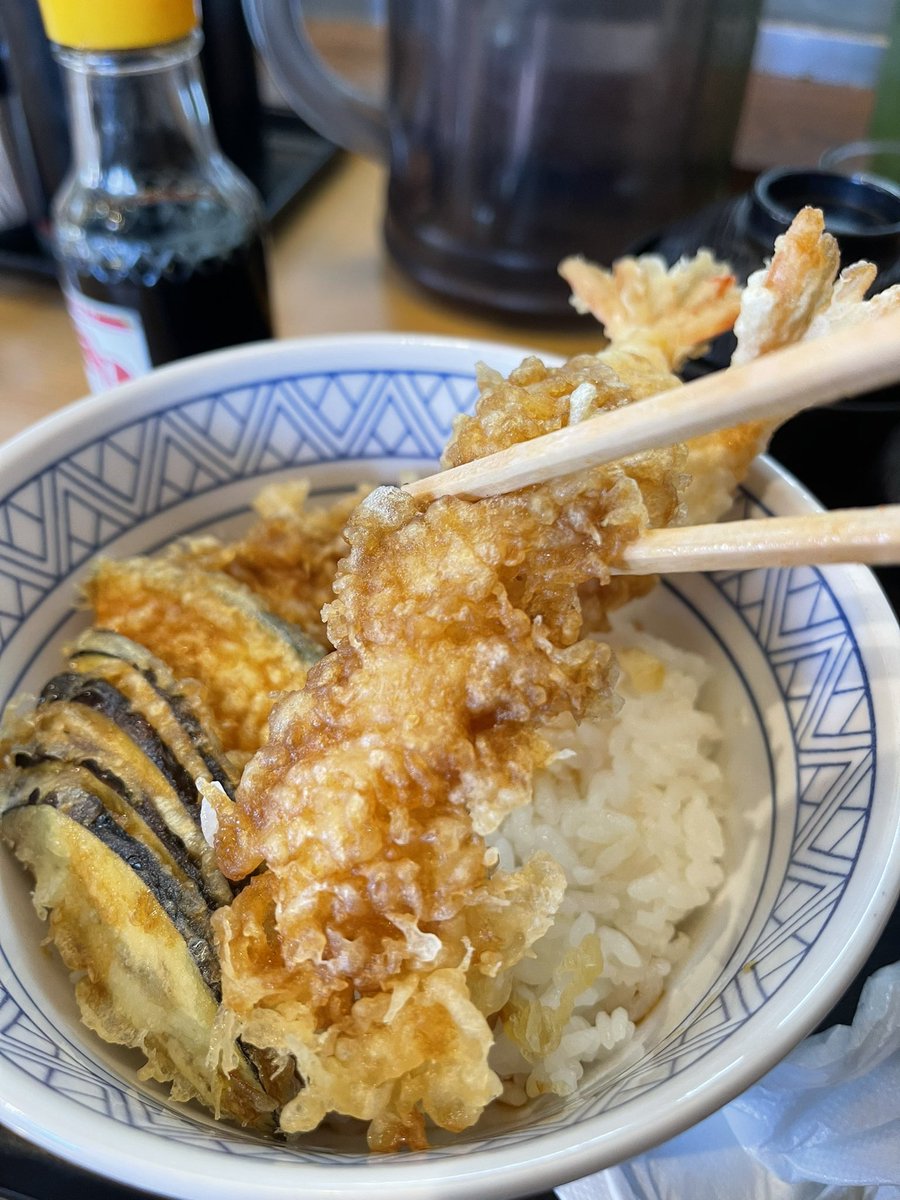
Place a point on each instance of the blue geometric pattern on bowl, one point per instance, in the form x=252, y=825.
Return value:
x=60, y=518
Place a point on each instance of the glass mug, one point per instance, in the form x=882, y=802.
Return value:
x=520, y=131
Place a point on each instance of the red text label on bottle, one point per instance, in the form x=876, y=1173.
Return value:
x=113, y=343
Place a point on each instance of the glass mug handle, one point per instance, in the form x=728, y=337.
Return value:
x=331, y=106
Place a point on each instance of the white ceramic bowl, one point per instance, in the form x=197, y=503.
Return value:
x=807, y=668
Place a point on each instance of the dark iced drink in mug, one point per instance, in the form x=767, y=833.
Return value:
x=520, y=131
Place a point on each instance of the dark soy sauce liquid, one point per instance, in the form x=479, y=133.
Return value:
x=218, y=301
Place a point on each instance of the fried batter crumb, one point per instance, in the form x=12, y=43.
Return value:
x=288, y=557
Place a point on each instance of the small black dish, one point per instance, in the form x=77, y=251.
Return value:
x=864, y=215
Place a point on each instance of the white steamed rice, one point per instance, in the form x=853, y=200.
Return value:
x=630, y=808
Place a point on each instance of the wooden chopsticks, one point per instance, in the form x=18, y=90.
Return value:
x=862, y=535
x=857, y=359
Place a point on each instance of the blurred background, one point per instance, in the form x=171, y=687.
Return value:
x=807, y=51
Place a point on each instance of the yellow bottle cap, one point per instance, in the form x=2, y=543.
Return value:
x=118, y=24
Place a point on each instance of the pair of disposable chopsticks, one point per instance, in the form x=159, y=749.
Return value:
x=772, y=388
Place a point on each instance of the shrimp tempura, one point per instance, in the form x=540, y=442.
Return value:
x=376, y=941
x=798, y=296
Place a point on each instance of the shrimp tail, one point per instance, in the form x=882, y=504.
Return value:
x=799, y=296
x=657, y=311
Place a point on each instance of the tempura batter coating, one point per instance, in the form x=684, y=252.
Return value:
x=212, y=633
x=369, y=801
x=798, y=296
x=656, y=320
x=655, y=311
x=289, y=556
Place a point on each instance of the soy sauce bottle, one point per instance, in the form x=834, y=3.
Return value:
x=158, y=237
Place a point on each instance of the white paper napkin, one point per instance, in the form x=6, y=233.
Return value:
x=823, y=1125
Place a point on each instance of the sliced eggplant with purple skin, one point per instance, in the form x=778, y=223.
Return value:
x=99, y=799
x=82, y=722
x=144, y=980
x=33, y=780
x=141, y=1011
x=78, y=795
x=210, y=629
x=173, y=709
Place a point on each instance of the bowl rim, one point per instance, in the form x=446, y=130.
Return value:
x=552, y=1157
